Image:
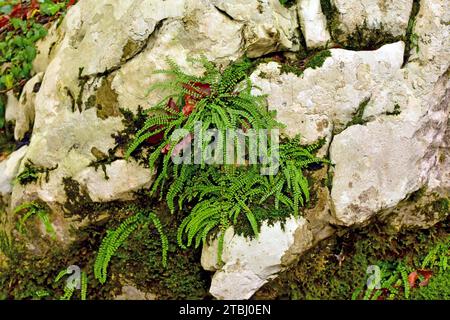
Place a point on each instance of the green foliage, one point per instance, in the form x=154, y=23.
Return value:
x=437, y=257
x=70, y=287
x=288, y=3
x=218, y=195
x=115, y=238
x=32, y=173
x=50, y=8
x=411, y=38
x=32, y=209
x=437, y=289
x=139, y=261
x=319, y=59
x=338, y=267
x=394, y=277
x=17, y=52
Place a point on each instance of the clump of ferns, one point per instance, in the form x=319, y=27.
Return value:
x=221, y=193
x=116, y=238
x=219, y=100
x=392, y=280
x=72, y=284
x=34, y=209
x=400, y=277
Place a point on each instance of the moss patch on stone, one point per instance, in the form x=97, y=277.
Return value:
x=106, y=100
x=33, y=173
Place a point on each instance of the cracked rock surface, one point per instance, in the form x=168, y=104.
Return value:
x=385, y=120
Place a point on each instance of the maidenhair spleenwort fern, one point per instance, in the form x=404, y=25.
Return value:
x=218, y=194
x=218, y=100
x=115, y=238
x=73, y=284
x=398, y=278
x=34, y=209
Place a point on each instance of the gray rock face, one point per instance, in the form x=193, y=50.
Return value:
x=334, y=91
x=379, y=164
x=102, y=58
x=390, y=16
x=313, y=23
x=249, y=264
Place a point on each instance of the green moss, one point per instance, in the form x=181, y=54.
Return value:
x=130, y=49
x=437, y=289
x=318, y=60
x=417, y=195
x=288, y=3
x=358, y=116
x=411, y=39
x=28, y=275
x=33, y=173
x=286, y=68
x=131, y=122
x=397, y=111
x=442, y=206
x=337, y=267
x=139, y=261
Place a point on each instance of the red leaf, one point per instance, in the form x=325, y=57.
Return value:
x=188, y=109
x=18, y=11
x=4, y=21
x=412, y=278
x=172, y=105
x=202, y=89
x=157, y=138
x=427, y=274
x=166, y=149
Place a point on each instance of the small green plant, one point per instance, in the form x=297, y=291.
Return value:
x=437, y=257
x=318, y=60
x=400, y=278
x=115, y=238
x=32, y=209
x=71, y=286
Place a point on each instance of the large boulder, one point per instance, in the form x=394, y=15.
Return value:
x=329, y=94
x=250, y=263
x=383, y=18
x=381, y=163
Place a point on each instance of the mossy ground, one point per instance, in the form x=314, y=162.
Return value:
x=28, y=275
x=337, y=267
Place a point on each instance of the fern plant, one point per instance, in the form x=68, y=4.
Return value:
x=70, y=287
x=219, y=100
x=34, y=209
x=437, y=257
x=116, y=238
x=220, y=194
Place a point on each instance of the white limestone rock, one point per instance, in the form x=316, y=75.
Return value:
x=313, y=23
x=250, y=263
x=391, y=16
x=9, y=169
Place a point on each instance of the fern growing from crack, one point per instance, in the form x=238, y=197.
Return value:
x=116, y=238
x=220, y=194
x=71, y=286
